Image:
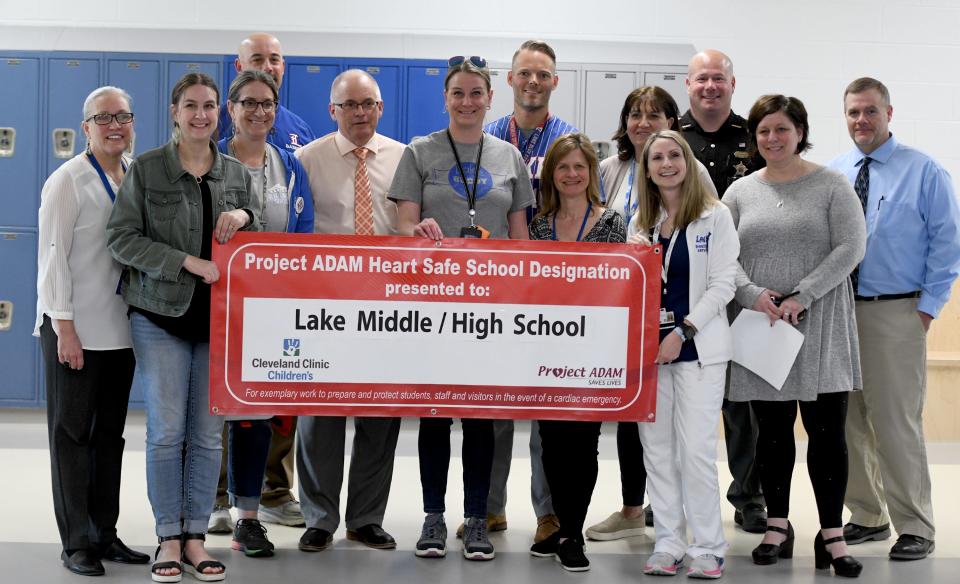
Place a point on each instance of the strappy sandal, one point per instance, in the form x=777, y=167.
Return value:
x=197, y=571
x=165, y=565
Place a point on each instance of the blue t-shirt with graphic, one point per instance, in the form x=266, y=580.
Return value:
x=428, y=175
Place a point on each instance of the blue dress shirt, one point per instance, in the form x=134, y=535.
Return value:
x=913, y=224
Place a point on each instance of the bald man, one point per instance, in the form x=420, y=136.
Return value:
x=262, y=51
x=719, y=140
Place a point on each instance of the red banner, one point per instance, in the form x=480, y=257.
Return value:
x=402, y=326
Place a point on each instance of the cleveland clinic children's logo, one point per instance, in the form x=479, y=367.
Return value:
x=291, y=347
x=484, y=179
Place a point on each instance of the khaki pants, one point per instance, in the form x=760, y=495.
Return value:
x=889, y=476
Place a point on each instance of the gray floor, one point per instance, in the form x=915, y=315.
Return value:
x=29, y=551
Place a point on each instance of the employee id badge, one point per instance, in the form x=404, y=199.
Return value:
x=667, y=319
x=474, y=232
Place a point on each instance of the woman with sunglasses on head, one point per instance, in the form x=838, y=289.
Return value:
x=571, y=211
x=281, y=192
x=646, y=110
x=700, y=247
x=802, y=231
x=174, y=201
x=85, y=338
x=460, y=182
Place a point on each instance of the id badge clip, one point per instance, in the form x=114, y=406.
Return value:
x=667, y=320
x=474, y=232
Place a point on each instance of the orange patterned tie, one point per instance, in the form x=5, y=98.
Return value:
x=363, y=206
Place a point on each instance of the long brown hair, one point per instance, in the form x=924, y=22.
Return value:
x=549, y=199
x=649, y=98
x=694, y=198
x=186, y=82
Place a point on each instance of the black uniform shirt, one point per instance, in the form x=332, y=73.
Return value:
x=724, y=152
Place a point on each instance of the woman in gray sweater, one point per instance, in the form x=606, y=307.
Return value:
x=802, y=233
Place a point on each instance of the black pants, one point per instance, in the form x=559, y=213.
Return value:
x=570, y=463
x=86, y=412
x=633, y=474
x=824, y=420
x=740, y=437
x=433, y=445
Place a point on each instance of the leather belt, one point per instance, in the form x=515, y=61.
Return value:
x=887, y=296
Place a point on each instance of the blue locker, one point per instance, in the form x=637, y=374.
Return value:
x=69, y=81
x=388, y=76
x=308, y=92
x=139, y=75
x=20, y=169
x=177, y=67
x=19, y=350
x=424, y=103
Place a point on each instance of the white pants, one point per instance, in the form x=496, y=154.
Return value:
x=680, y=453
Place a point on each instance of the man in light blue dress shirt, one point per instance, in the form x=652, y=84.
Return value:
x=912, y=259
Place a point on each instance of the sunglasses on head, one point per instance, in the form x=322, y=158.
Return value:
x=476, y=60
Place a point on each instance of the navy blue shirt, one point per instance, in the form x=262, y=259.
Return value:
x=675, y=294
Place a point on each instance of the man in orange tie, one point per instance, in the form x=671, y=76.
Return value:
x=350, y=171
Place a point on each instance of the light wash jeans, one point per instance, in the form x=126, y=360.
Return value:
x=183, y=438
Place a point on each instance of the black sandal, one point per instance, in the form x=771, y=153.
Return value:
x=198, y=570
x=165, y=565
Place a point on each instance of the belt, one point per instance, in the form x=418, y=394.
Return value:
x=887, y=296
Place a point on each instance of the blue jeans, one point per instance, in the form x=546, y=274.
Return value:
x=183, y=438
x=248, y=445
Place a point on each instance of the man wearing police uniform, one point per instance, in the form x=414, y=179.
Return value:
x=719, y=140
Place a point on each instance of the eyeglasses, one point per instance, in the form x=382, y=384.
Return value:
x=352, y=106
x=251, y=105
x=458, y=60
x=107, y=119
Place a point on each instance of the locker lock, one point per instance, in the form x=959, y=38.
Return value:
x=6, y=315
x=63, y=142
x=8, y=139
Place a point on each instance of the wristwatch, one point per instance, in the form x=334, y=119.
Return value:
x=685, y=331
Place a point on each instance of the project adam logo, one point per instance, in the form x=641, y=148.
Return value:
x=595, y=375
x=291, y=347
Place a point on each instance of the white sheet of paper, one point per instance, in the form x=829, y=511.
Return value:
x=768, y=351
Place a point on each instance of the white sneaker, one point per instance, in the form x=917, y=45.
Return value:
x=287, y=514
x=220, y=520
x=662, y=564
x=617, y=526
x=706, y=566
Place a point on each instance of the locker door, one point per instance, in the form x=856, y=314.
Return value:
x=69, y=82
x=141, y=79
x=563, y=101
x=603, y=99
x=425, y=109
x=674, y=83
x=178, y=67
x=19, y=144
x=18, y=301
x=502, y=94
x=308, y=93
x=388, y=78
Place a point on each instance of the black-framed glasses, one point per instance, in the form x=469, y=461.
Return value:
x=107, y=119
x=351, y=106
x=458, y=60
x=251, y=105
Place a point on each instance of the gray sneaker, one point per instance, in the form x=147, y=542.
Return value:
x=476, y=545
x=287, y=513
x=433, y=537
x=220, y=520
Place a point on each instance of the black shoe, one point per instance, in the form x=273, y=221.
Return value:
x=845, y=566
x=372, y=536
x=648, y=516
x=315, y=540
x=250, y=537
x=571, y=556
x=546, y=548
x=752, y=518
x=911, y=547
x=855, y=534
x=82, y=562
x=120, y=553
x=768, y=553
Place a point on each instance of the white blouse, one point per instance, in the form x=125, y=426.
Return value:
x=77, y=277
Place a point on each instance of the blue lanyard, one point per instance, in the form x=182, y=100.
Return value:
x=582, y=225
x=628, y=209
x=103, y=175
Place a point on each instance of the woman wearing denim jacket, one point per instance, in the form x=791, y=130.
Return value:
x=173, y=202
